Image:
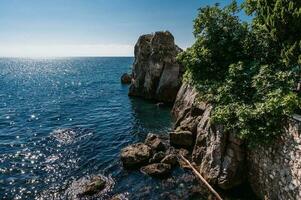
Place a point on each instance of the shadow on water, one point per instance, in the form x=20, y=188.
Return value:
x=148, y=116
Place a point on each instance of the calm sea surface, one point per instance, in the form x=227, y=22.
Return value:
x=64, y=119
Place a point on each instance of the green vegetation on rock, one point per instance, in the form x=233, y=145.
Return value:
x=248, y=70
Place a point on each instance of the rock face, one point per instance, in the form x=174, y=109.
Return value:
x=219, y=156
x=181, y=138
x=135, y=155
x=126, y=78
x=156, y=74
x=154, y=142
x=274, y=172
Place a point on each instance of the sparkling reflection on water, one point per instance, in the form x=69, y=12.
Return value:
x=64, y=119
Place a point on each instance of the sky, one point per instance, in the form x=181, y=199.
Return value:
x=46, y=28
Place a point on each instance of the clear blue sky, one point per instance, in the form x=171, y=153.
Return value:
x=91, y=27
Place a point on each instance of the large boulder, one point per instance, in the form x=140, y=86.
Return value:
x=135, y=155
x=156, y=73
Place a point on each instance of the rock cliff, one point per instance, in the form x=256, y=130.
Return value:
x=224, y=160
x=274, y=172
x=219, y=156
x=156, y=74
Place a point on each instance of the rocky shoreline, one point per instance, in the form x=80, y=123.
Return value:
x=218, y=156
x=224, y=160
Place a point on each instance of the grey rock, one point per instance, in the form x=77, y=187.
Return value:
x=135, y=155
x=181, y=139
x=95, y=185
x=186, y=97
x=154, y=142
x=159, y=170
x=156, y=73
x=218, y=155
x=126, y=78
x=89, y=187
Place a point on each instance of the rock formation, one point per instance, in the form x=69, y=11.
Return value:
x=159, y=170
x=156, y=74
x=135, y=155
x=154, y=158
x=90, y=187
x=154, y=142
x=97, y=184
x=224, y=160
x=273, y=171
x=219, y=156
x=126, y=78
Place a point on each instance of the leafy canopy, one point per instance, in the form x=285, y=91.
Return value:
x=248, y=70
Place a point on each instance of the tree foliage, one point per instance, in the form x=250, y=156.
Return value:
x=248, y=70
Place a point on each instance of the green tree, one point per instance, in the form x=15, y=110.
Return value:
x=248, y=70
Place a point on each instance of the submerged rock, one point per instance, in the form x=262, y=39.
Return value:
x=154, y=142
x=159, y=170
x=135, y=155
x=119, y=197
x=156, y=73
x=89, y=187
x=126, y=78
x=95, y=185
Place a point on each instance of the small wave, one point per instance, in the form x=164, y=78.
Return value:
x=52, y=158
x=64, y=136
x=69, y=136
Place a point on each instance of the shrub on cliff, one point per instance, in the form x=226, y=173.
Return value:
x=248, y=70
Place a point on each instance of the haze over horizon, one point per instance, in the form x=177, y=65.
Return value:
x=57, y=28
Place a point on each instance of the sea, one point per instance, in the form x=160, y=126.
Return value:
x=66, y=119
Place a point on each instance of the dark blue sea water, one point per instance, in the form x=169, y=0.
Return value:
x=67, y=118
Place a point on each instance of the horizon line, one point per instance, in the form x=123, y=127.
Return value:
x=72, y=56
x=66, y=50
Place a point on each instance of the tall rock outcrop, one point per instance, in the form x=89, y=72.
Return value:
x=219, y=156
x=156, y=74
